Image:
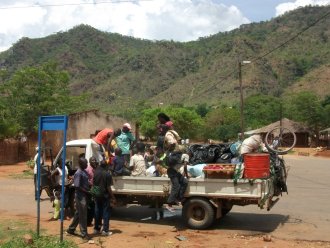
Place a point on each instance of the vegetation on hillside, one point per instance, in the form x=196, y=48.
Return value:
x=195, y=82
x=120, y=71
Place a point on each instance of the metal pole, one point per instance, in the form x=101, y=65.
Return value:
x=63, y=179
x=241, y=99
x=38, y=178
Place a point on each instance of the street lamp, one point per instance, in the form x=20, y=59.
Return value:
x=240, y=64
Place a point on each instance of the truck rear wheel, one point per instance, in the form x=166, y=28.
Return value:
x=198, y=213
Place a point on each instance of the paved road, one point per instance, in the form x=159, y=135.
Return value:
x=303, y=214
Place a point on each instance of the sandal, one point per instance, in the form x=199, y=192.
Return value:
x=170, y=209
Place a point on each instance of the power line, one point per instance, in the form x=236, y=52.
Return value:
x=292, y=38
x=73, y=4
x=276, y=48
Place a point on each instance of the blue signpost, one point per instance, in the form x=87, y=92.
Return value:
x=51, y=123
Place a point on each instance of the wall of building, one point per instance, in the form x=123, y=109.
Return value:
x=81, y=126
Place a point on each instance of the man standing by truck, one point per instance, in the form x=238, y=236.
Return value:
x=103, y=195
x=80, y=181
x=35, y=171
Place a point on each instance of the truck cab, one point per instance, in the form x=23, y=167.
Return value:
x=73, y=149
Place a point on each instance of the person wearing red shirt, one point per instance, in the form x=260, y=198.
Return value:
x=104, y=138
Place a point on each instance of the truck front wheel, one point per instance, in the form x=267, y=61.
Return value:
x=198, y=213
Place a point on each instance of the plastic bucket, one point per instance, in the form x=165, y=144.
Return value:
x=256, y=165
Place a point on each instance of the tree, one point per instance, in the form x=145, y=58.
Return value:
x=35, y=91
x=326, y=101
x=202, y=109
x=261, y=110
x=186, y=122
x=222, y=123
x=307, y=108
x=149, y=121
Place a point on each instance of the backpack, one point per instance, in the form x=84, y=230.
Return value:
x=173, y=158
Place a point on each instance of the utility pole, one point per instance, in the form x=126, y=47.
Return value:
x=240, y=63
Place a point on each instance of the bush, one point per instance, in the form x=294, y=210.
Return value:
x=30, y=163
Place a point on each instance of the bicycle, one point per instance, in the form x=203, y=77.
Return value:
x=280, y=141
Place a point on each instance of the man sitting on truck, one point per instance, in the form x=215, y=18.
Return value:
x=117, y=166
x=137, y=163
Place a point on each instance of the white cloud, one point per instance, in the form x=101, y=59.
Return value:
x=179, y=20
x=284, y=7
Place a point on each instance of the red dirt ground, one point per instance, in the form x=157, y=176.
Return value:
x=132, y=234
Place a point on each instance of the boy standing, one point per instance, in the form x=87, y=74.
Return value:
x=80, y=181
x=103, y=182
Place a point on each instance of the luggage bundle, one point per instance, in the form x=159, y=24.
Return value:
x=213, y=161
x=220, y=153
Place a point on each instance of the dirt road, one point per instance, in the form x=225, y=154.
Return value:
x=291, y=222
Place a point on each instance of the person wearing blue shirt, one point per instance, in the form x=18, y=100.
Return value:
x=80, y=181
x=125, y=141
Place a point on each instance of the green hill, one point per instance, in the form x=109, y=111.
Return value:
x=121, y=71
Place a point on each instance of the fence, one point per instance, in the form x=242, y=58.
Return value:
x=13, y=151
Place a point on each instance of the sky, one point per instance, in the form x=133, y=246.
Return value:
x=178, y=20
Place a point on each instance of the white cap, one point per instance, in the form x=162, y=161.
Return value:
x=127, y=125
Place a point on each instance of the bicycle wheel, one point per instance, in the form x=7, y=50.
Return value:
x=280, y=140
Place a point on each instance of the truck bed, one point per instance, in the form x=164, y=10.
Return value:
x=211, y=188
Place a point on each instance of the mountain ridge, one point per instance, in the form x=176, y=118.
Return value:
x=121, y=71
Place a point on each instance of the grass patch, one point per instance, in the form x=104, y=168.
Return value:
x=12, y=232
x=43, y=241
x=26, y=174
x=11, y=229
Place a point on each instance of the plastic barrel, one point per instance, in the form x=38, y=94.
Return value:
x=256, y=165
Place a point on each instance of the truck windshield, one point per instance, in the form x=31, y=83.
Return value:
x=72, y=155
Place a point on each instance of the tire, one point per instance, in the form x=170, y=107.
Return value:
x=198, y=213
x=286, y=140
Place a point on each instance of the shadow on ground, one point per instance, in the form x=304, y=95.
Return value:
x=251, y=222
